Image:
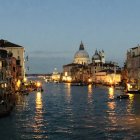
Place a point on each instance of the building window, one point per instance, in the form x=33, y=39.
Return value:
x=133, y=53
x=14, y=69
x=18, y=57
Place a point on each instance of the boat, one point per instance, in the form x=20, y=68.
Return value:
x=5, y=109
x=5, y=113
x=78, y=84
x=132, y=88
x=123, y=96
x=133, y=91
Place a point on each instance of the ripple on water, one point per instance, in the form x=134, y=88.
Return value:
x=63, y=112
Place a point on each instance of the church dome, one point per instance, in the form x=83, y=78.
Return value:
x=96, y=56
x=81, y=56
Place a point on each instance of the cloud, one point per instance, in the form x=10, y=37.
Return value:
x=46, y=65
x=50, y=54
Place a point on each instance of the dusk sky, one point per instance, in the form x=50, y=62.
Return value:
x=51, y=30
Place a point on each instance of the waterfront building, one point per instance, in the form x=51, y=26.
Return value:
x=9, y=72
x=3, y=65
x=68, y=72
x=108, y=77
x=56, y=76
x=124, y=75
x=100, y=66
x=17, y=52
x=133, y=63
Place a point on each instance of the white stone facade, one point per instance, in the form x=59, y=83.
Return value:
x=81, y=56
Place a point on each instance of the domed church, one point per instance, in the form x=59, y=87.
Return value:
x=81, y=56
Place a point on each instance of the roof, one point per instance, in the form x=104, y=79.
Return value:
x=135, y=47
x=110, y=71
x=71, y=64
x=81, y=46
x=5, y=43
x=104, y=64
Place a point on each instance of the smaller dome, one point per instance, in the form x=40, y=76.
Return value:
x=96, y=56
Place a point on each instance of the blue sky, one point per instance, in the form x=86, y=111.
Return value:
x=51, y=30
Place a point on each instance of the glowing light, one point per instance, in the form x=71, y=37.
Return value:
x=2, y=85
x=25, y=79
x=128, y=86
x=69, y=79
x=89, y=80
x=5, y=85
x=18, y=83
x=111, y=82
x=66, y=73
x=38, y=84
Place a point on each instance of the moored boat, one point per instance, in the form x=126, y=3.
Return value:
x=78, y=84
x=123, y=96
x=133, y=91
x=6, y=109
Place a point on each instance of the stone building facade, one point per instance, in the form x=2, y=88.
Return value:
x=17, y=52
x=133, y=64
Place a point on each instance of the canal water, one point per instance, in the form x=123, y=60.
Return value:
x=65, y=112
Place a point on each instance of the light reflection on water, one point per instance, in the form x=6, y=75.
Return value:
x=111, y=92
x=38, y=102
x=68, y=92
x=68, y=112
x=90, y=91
x=38, y=119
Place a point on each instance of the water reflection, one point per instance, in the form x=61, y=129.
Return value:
x=68, y=92
x=111, y=92
x=130, y=105
x=38, y=119
x=69, y=89
x=111, y=105
x=131, y=97
x=90, y=100
x=112, y=119
x=38, y=101
x=89, y=88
